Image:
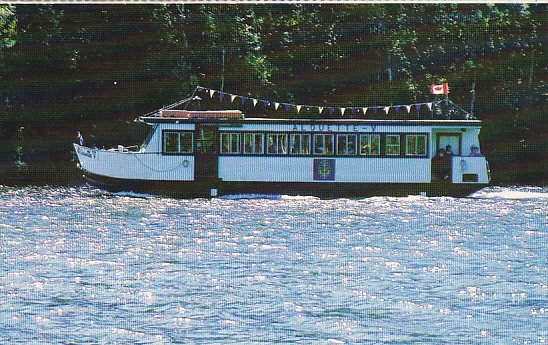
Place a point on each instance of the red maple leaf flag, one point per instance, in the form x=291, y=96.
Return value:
x=442, y=89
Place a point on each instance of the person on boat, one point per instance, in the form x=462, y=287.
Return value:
x=448, y=161
x=441, y=166
x=448, y=151
x=80, y=138
x=474, y=151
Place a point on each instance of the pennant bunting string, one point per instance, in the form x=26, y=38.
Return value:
x=308, y=108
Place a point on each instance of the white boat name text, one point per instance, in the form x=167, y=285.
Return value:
x=333, y=128
x=87, y=153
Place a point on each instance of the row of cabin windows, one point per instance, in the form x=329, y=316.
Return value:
x=323, y=144
x=301, y=144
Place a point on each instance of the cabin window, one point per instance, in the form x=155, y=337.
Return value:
x=300, y=144
x=230, y=142
x=370, y=144
x=277, y=144
x=171, y=142
x=392, y=145
x=178, y=142
x=253, y=143
x=185, y=142
x=416, y=145
x=324, y=144
x=346, y=144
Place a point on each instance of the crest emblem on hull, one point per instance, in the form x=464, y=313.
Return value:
x=324, y=169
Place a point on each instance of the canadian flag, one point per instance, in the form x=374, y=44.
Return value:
x=442, y=89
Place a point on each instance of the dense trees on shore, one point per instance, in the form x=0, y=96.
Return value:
x=94, y=68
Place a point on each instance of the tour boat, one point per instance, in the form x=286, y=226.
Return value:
x=213, y=153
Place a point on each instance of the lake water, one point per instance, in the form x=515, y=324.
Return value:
x=84, y=266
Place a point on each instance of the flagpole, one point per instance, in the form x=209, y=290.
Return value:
x=223, y=70
x=473, y=97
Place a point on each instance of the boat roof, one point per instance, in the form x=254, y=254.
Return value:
x=235, y=117
x=201, y=114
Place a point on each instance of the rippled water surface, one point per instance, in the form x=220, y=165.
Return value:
x=80, y=265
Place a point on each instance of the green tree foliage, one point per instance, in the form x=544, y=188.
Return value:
x=7, y=26
x=94, y=67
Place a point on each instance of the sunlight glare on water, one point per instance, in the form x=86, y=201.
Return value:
x=83, y=265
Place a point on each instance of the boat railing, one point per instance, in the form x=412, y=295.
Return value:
x=469, y=169
x=126, y=149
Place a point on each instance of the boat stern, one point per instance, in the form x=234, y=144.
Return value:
x=470, y=170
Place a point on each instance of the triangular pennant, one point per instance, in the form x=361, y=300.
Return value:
x=397, y=108
x=232, y=98
x=243, y=100
x=221, y=95
x=364, y=110
x=254, y=102
x=320, y=109
x=386, y=110
x=331, y=110
x=276, y=105
x=299, y=108
x=266, y=103
x=418, y=107
x=211, y=93
x=408, y=107
x=429, y=105
x=353, y=110
x=307, y=109
x=286, y=107
x=375, y=110
x=342, y=111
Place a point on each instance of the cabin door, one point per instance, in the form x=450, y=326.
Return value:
x=452, y=139
x=206, y=158
x=442, y=168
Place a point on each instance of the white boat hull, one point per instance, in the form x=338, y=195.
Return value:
x=175, y=175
